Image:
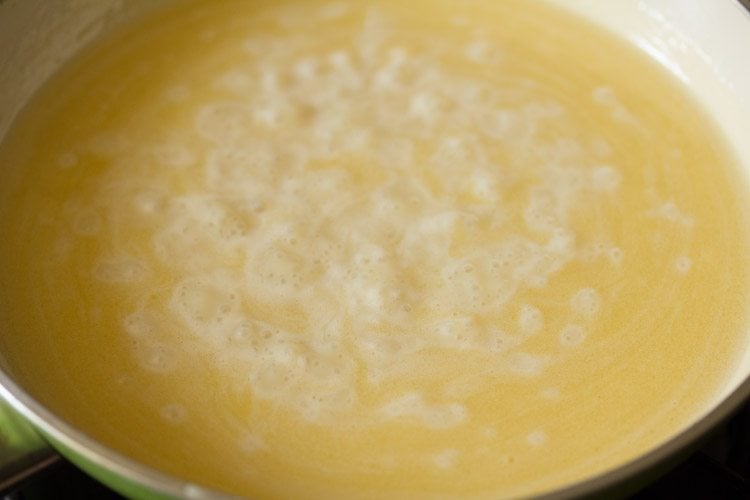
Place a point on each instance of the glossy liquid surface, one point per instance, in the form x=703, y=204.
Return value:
x=314, y=249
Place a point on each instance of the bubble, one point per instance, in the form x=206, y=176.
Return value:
x=138, y=324
x=498, y=124
x=424, y=106
x=457, y=333
x=333, y=11
x=306, y=69
x=537, y=438
x=525, y=364
x=236, y=80
x=615, y=255
x=586, y=302
x=268, y=115
x=149, y=202
x=482, y=187
x=530, y=319
x=156, y=357
x=452, y=152
x=252, y=444
x=240, y=168
x=173, y=413
x=120, y=270
x=334, y=260
x=671, y=212
x=500, y=341
x=446, y=458
x=224, y=123
x=207, y=305
x=683, y=264
x=339, y=59
x=572, y=335
x=551, y=393
x=603, y=94
x=478, y=51
x=174, y=155
x=413, y=406
x=605, y=178
x=606, y=96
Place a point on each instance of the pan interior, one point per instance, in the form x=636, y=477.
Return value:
x=317, y=249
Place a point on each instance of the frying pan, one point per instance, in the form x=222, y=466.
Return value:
x=704, y=43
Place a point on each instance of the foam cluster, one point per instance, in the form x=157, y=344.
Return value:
x=349, y=207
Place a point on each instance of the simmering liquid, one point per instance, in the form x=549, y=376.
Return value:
x=371, y=249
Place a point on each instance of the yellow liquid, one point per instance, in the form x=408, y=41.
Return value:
x=373, y=249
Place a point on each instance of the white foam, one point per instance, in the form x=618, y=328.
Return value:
x=424, y=106
x=606, y=178
x=572, y=335
x=498, y=123
x=537, y=438
x=274, y=220
x=306, y=69
x=174, y=155
x=586, y=302
x=139, y=324
x=149, y=202
x=526, y=365
x=446, y=458
x=671, y=212
x=156, y=356
x=615, y=255
x=224, y=123
x=479, y=51
x=207, y=305
x=173, y=413
x=500, y=341
x=413, y=406
x=236, y=80
x=120, y=269
x=606, y=96
x=483, y=187
x=530, y=319
x=683, y=264
x=551, y=393
x=252, y=443
x=334, y=10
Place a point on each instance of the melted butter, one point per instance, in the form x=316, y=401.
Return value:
x=338, y=250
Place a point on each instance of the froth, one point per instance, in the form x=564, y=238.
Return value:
x=120, y=269
x=412, y=406
x=572, y=335
x=683, y=264
x=537, y=438
x=586, y=302
x=343, y=211
x=446, y=458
